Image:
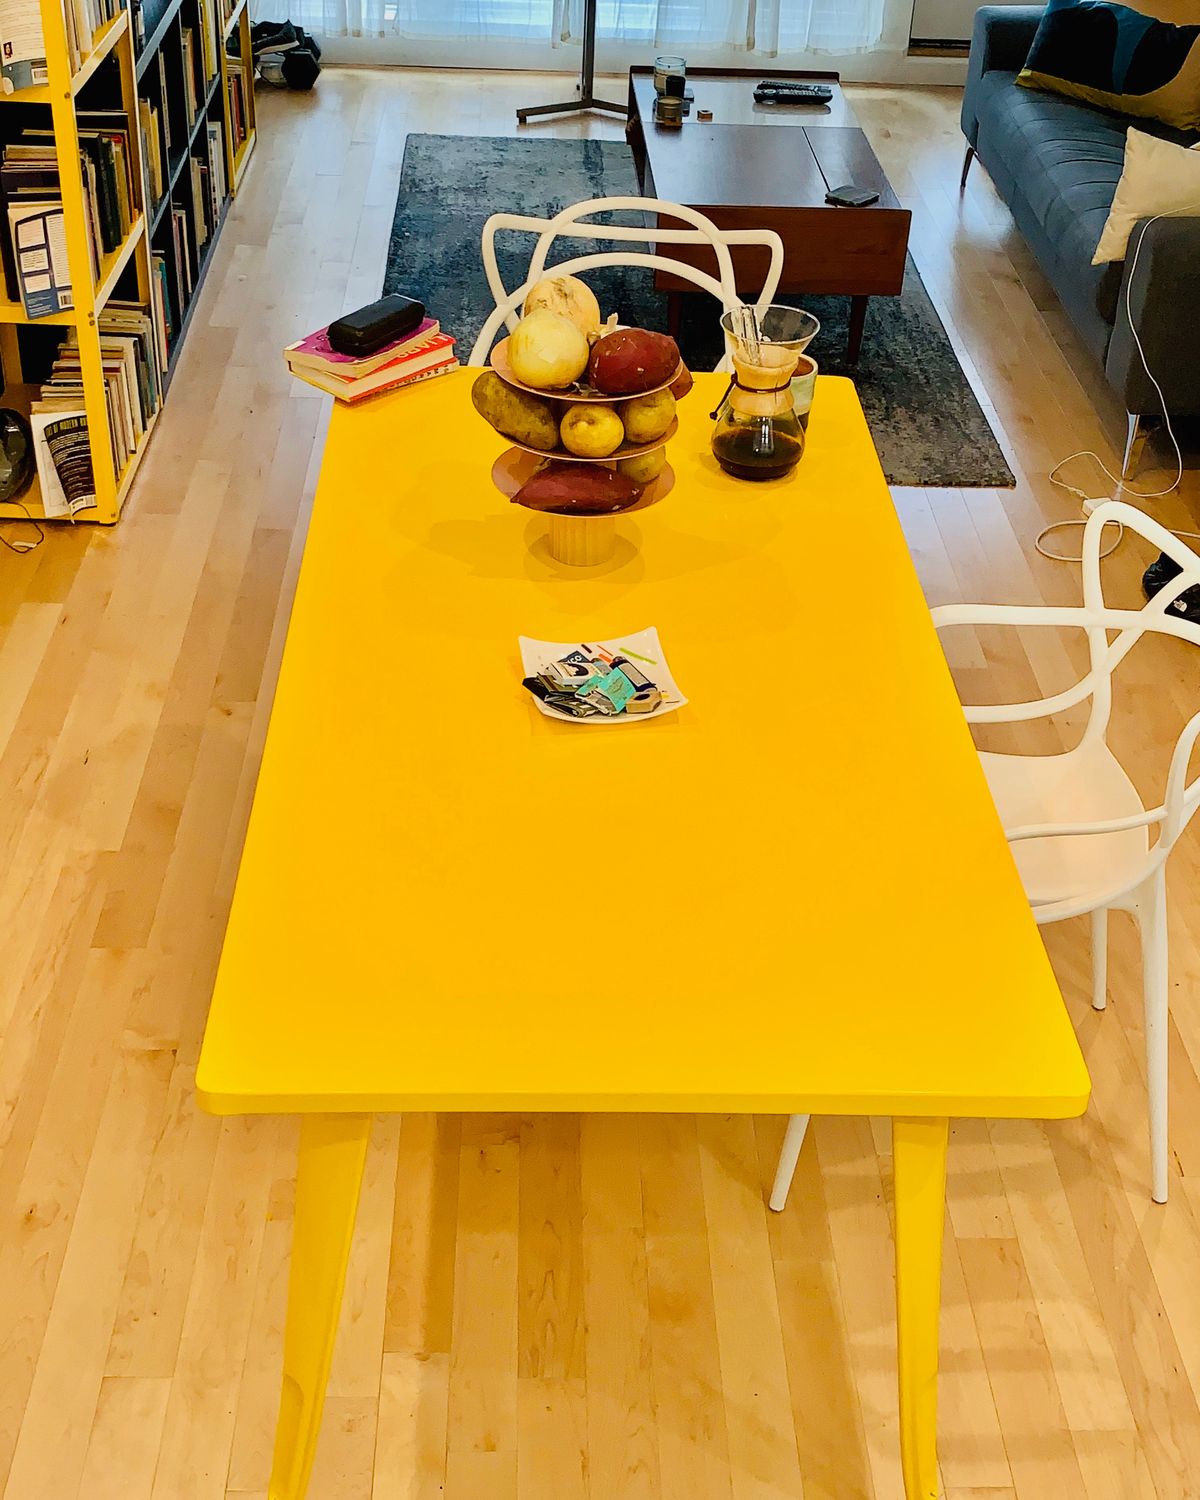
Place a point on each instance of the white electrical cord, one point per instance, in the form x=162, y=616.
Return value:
x=1122, y=490
x=22, y=544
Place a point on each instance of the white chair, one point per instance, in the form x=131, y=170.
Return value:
x=570, y=224
x=1079, y=830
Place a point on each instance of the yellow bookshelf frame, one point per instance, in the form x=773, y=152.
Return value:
x=238, y=157
x=115, y=38
x=91, y=295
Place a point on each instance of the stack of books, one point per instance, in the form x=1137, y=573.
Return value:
x=209, y=186
x=165, y=88
x=161, y=308
x=132, y=380
x=84, y=19
x=238, y=123
x=417, y=356
x=191, y=90
x=34, y=247
x=209, y=37
x=154, y=151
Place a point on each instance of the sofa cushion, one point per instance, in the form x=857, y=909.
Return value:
x=1141, y=57
x=1160, y=178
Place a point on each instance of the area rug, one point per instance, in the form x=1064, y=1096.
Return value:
x=926, y=423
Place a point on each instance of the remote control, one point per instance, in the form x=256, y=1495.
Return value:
x=781, y=91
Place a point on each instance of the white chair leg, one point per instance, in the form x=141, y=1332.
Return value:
x=1135, y=437
x=1100, y=958
x=788, y=1157
x=1152, y=920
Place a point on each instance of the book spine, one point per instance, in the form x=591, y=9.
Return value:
x=395, y=385
x=108, y=204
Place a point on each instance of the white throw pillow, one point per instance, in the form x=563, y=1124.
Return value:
x=1159, y=177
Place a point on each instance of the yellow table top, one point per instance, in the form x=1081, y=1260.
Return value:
x=787, y=899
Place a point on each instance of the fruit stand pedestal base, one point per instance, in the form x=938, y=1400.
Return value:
x=582, y=541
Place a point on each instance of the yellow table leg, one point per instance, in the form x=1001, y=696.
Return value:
x=333, y=1150
x=919, y=1159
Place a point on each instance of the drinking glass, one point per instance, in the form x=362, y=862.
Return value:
x=664, y=67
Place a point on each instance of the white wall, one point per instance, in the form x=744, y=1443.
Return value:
x=948, y=20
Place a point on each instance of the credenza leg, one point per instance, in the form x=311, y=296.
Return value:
x=858, y=318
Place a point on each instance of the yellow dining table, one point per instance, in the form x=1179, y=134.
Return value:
x=791, y=895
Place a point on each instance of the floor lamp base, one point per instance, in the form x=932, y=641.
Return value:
x=574, y=106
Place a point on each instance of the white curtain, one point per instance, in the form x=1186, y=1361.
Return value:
x=763, y=28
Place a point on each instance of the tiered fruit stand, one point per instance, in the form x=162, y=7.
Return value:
x=576, y=537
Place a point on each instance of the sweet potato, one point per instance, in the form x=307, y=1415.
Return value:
x=570, y=489
x=632, y=360
x=682, y=383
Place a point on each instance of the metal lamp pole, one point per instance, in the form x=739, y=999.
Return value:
x=587, y=78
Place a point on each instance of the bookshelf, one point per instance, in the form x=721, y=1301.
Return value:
x=173, y=81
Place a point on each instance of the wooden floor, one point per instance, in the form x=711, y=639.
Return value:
x=548, y=1308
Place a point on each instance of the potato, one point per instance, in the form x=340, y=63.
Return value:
x=645, y=467
x=646, y=418
x=632, y=360
x=577, y=489
x=518, y=415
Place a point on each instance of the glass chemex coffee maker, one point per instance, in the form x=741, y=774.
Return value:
x=758, y=433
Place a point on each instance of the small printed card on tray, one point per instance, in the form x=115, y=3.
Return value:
x=625, y=680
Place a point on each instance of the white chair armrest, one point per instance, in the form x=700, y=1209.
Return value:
x=1019, y=615
x=1083, y=830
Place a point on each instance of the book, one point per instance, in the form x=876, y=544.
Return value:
x=436, y=352
x=352, y=392
x=208, y=38
x=237, y=106
x=175, y=261
x=188, y=48
x=217, y=180
x=160, y=308
x=163, y=95
x=153, y=151
x=183, y=252
x=199, y=199
x=64, y=460
x=23, y=46
x=316, y=352
x=40, y=245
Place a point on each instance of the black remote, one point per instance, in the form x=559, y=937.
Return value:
x=781, y=91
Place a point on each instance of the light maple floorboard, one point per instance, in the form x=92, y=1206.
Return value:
x=580, y=1308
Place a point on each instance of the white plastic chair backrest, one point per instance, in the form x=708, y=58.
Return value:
x=1097, y=619
x=571, y=224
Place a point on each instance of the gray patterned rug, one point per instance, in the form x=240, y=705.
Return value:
x=926, y=423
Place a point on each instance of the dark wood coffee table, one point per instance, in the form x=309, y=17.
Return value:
x=769, y=167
